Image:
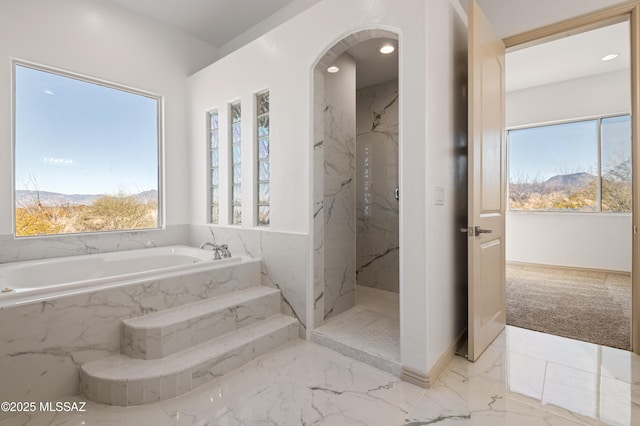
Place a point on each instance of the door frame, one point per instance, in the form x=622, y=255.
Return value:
x=630, y=11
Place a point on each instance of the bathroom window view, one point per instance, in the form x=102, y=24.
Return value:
x=86, y=155
x=215, y=168
x=579, y=166
x=236, y=164
x=264, y=172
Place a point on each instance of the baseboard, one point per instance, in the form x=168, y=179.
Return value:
x=427, y=380
x=416, y=377
x=568, y=268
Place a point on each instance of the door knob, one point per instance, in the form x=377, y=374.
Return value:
x=475, y=231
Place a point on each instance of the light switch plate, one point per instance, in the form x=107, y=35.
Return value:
x=438, y=195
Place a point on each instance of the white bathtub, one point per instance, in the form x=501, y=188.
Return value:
x=22, y=282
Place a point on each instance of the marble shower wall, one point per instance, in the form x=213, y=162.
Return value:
x=339, y=187
x=318, y=198
x=377, y=232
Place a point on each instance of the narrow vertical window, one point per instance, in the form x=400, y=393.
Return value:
x=236, y=164
x=264, y=172
x=214, y=206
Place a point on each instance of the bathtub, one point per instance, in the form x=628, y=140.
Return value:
x=36, y=280
x=68, y=311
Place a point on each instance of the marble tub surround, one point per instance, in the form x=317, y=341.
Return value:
x=172, y=351
x=284, y=266
x=166, y=332
x=377, y=215
x=368, y=332
x=47, y=342
x=241, y=241
x=29, y=248
x=303, y=383
x=283, y=261
x=339, y=187
x=120, y=380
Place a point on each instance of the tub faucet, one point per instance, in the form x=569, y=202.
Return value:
x=225, y=250
x=217, y=250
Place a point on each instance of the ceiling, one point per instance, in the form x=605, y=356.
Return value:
x=219, y=21
x=216, y=22
x=372, y=67
x=510, y=17
x=569, y=58
x=226, y=24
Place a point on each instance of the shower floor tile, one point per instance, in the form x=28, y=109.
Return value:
x=368, y=332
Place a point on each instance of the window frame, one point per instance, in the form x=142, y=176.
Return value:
x=597, y=118
x=15, y=62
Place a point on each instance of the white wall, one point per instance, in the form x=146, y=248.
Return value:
x=600, y=241
x=282, y=61
x=579, y=98
x=99, y=40
x=446, y=247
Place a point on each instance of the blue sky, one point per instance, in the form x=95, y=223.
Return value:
x=75, y=137
x=543, y=152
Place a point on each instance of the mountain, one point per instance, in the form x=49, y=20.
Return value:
x=25, y=197
x=569, y=182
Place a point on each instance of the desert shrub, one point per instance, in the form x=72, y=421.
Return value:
x=34, y=218
x=110, y=213
x=616, y=196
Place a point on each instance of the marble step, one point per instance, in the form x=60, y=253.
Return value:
x=124, y=381
x=166, y=332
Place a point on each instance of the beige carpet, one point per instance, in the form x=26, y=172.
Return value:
x=585, y=305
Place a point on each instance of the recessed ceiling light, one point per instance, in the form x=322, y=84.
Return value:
x=333, y=69
x=609, y=57
x=386, y=49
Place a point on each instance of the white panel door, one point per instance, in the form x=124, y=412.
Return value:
x=487, y=199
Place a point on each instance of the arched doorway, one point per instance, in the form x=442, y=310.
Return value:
x=356, y=211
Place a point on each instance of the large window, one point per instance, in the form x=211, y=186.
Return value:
x=86, y=155
x=578, y=166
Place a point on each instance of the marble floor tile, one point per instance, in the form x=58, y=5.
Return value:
x=95, y=414
x=530, y=378
x=512, y=383
x=370, y=331
x=301, y=384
